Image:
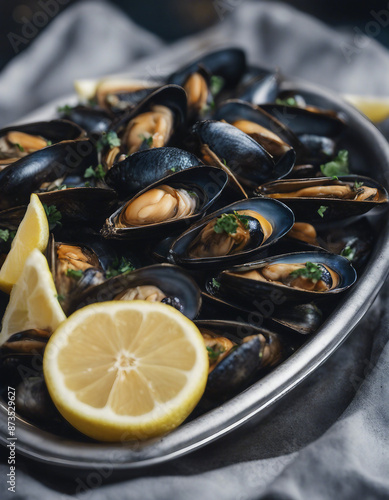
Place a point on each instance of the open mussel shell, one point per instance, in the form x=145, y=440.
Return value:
x=92, y=120
x=172, y=97
x=63, y=257
x=79, y=205
x=261, y=350
x=307, y=121
x=143, y=168
x=337, y=271
x=180, y=289
x=230, y=64
x=307, y=207
x=250, y=162
x=279, y=219
x=54, y=131
x=235, y=110
x=205, y=184
x=28, y=174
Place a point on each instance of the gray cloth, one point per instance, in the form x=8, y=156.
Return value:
x=329, y=439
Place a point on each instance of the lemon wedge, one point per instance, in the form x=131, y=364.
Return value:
x=33, y=302
x=375, y=108
x=33, y=232
x=126, y=370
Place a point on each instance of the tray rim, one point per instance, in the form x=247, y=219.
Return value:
x=258, y=399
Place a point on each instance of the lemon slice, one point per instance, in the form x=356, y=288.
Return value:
x=33, y=232
x=126, y=370
x=375, y=108
x=33, y=302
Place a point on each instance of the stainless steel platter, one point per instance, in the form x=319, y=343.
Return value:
x=372, y=150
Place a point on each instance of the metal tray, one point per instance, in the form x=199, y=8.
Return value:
x=369, y=149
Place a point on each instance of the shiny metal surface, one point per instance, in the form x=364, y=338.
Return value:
x=258, y=399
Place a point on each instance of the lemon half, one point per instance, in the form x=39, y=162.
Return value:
x=126, y=370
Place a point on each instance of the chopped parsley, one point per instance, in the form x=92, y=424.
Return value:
x=60, y=297
x=216, y=84
x=4, y=234
x=174, y=169
x=334, y=178
x=193, y=194
x=215, y=284
x=214, y=352
x=53, y=215
x=348, y=252
x=19, y=146
x=72, y=273
x=242, y=218
x=66, y=110
x=357, y=185
x=147, y=140
x=338, y=166
x=87, y=184
x=97, y=173
x=289, y=101
x=311, y=271
x=321, y=210
x=226, y=223
x=108, y=139
x=122, y=266
x=49, y=143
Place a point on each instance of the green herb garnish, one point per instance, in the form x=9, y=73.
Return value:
x=226, y=223
x=348, y=252
x=214, y=352
x=122, y=266
x=87, y=184
x=4, y=234
x=147, y=140
x=357, y=185
x=49, y=143
x=53, y=215
x=65, y=109
x=337, y=166
x=334, y=178
x=242, y=218
x=72, y=273
x=322, y=210
x=192, y=194
x=311, y=271
x=215, y=284
x=289, y=101
x=174, y=169
x=108, y=139
x=98, y=173
x=19, y=146
x=216, y=84
x=60, y=297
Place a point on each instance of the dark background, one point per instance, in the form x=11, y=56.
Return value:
x=172, y=19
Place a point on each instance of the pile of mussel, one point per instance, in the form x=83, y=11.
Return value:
x=217, y=191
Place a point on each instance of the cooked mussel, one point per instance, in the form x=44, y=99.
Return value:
x=237, y=352
x=119, y=95
x=243, y=156
x=74, y=268
x=37, y=170
x=325, y=198
x=159, y=282
x=302, y=276
x=167, y=205
x=21, y=140
x=143, y=168
x=233, y=233
x=151, y=124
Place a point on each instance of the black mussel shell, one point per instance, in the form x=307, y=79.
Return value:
x=27, y=175
x=54, y=130
x=92, y=120
x=280, y=218
x=260, y=89
x=325, y=208
x=232, y=284
x=143, y=168
x=247, y=160
x=176, y=284
x=230, y=64
x=207, y=183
